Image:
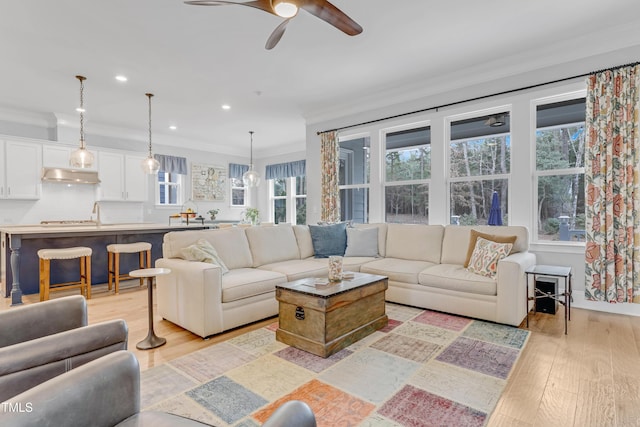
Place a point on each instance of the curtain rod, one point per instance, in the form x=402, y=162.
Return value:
x=477, y=98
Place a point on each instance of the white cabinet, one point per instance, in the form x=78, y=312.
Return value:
x=57, y=156
x=22, y=164
x=121, y=177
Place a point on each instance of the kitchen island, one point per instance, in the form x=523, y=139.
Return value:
x=19, y=267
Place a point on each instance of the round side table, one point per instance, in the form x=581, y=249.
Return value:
x=152, y=340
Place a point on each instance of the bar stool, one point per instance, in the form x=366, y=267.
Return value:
x=113, y=262
x=46, y=255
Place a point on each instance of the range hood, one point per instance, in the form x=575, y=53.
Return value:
x=70, y=176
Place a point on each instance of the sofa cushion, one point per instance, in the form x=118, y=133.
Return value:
x=398, y=270
x=382, y=235
x=230, y=243
x=298, y=269
x=473, y=238
x=456, y=240
x=242, y=283
x=362, y=242
x=455, y=277
x=485, y=256
x=349, y=263
x=272, y=244
x=328, y=239
x=303, y=237
x=204, y=252
x=414, y=242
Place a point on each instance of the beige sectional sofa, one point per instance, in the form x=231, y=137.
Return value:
x=424, y=264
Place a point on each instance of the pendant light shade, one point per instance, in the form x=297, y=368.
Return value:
x=81, y=157
x=251, y=178
x=150, y=165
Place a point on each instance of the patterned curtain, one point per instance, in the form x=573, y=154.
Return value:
x=612, y=187
x=330, y=166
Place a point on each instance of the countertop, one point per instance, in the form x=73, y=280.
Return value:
x=84, y=228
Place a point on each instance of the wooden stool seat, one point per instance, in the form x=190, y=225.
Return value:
x=84, y=284
x=115, y=249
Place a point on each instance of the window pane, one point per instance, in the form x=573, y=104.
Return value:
x=354, y=161
x=407, y=203
x=354, y=205
x=237, y=183
x=280, y=187
x=301, y=185
x=471, y=201
x=237, y=197
x=560, y=147
x=301, y=210
x=482, y=156
x=561, y=207
x=280, y=210
x=408, y=155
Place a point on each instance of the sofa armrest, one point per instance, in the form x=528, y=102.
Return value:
x=100, y=393
x=191, y=296
x=27, y=364
x=37, y=320
x=512, y=287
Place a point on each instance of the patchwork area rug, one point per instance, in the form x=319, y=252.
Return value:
x=425, y=368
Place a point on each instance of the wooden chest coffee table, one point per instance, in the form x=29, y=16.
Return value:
x=324, y=319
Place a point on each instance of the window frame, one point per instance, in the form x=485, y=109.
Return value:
x=244, y=189
x=363, y=186
x=291, y=198
x=551, y=172
x=385, y=151
x=179, y=185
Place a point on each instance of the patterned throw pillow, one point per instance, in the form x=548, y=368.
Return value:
x=485, y=257
x=204, y=252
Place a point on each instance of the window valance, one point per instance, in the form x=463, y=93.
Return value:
x=172, y=164
x=236, y=171
x=286, y=170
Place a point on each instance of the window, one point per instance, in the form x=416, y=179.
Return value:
x=354, y=180
x=480, y=163
x=407, y=175
x=238, y=192
x=289, y=200
x=559, y=174
x=169, y=189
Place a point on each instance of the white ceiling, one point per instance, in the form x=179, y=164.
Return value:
x=194, y=59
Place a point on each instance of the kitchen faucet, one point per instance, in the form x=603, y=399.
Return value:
x=96, y=210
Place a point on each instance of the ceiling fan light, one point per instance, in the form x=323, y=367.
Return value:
x=285, y=8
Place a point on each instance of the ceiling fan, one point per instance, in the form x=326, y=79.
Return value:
x=288, y=9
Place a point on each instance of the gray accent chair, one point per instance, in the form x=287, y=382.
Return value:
x=43, y=340
x=106, y=393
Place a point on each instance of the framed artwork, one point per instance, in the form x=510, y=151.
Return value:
x=208, y=183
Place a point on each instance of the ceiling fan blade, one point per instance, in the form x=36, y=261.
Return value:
x=257, y=4
x=275, y=37
x=331, y=14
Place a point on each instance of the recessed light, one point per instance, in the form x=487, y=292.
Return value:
x=226, y=107
x=121, y=78
x=173, y=127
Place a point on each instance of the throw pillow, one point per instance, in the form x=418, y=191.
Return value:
x=328, y=240
x=493, y=237
x=485, y=257
x=204, y=252
x=362, y=242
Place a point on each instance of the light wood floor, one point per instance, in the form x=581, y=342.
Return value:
x=590, y=377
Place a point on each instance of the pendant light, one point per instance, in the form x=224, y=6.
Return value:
x=81, y=158
x=150, y=165
x=251, y=178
